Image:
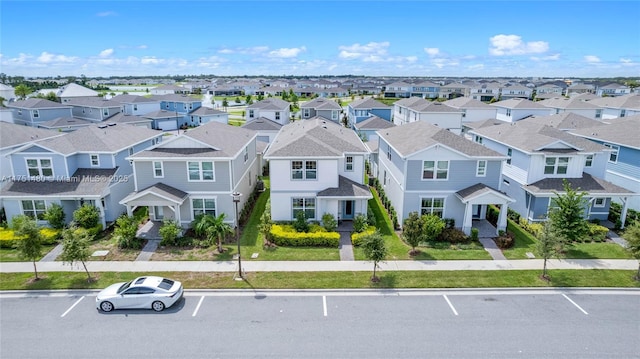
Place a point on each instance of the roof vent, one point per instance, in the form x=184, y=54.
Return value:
x=102, y=126
x=111, y=124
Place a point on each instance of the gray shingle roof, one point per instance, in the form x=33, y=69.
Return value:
x=12, y=135
x=123, y=118
x=625, y=133
x=631, y=101
x=162, y=152
x=518, y=103
x=133, y=99
x=315, y=137
x=367, y=103
x=84, y=183
x=262, y=124
x=160, y=189
x=416, y=136
x=273, y=104
x=421, y=105
x=565, y=121
x=466, y=102
x=229, y=140
x=477, y=190
x=321, y=104
x=93, y=102
x=373, y=123
x=162, y=114
x=532, y=137
x=75, y=90
x=588, y=183
x=68, y=122
x=175, y=98
x=207, y=111
x=36, y=103
x=346, y=188
x=568, y=103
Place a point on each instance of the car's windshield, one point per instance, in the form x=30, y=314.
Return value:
x=124, y=287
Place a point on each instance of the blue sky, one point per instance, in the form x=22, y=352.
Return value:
x=376, y=38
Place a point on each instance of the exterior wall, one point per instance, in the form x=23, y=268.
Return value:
x=281, y=205
x=240, y=167
x=395, y=167
x=453, y=207
x=284, y=115
x=473, y=114
x=141, y=108
x=328, y=114
x=280, y=170
x=632, y=184
x=19, y=163
x=119, y=190
x=357, y=174
x=462, y=174
x=444, y=120
x=25, y=117
x=176, y=175
x=392, y=187
x=382, y=113
x=94, y=113
x=309, y=112
x=180, y=107
x=537, y=164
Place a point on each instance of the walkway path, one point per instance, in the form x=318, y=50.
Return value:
x=346, y=248
x=491, y=247
x=148, y=250
x=53, y=254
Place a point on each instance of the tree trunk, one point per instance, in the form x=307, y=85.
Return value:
x=86, y=270
x=544, y=268
x=35, y=269
x=638, y=274
x=374, y=271
x=219, y=244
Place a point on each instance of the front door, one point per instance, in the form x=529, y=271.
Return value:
x=158, y=213
x=347, y=209
x=476, y=210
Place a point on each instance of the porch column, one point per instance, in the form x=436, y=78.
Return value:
x=176, y=210
x=129, y=211
x=466, y=226
x=502, y=218
x=103, y=220
x=623, y=212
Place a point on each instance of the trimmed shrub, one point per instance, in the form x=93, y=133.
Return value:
x=125, y=233
x=55, y=216
x=170, y=231
x=492, y=215
x=86, y=216
x=474, y=234
x=449, y=223
x=360, y=223
x=300, y=224
x=287, y=235
x=533, y=228
x=597, y=233
x=453, y=236
x=357, y=237
x=371, y=217
x=8, y=238
x=329, y=222
x=505, y=240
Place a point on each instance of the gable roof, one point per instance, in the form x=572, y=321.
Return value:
x=321, y=104
x=568, y=103
x=630, y=101
x=626, y=133
x=419, y=104
x=419, y=135
x=93, y=102
x=207, y=111
x=565, y=121
x=532, y=137
x=367, y=103
x=36, y=104
x=85, y=182
x=75, y=90
x=172, y=97
x=467, y=102
x=373, y=123
x=262, y=124
x=133, y=99
x=518, y=103
x=163, y=114
x=346, y=188
x=228, y=139
x=273, y=104
x=12, y=135
x=315, y=137
x=65, y=122
x=586, y=182
x=125, y=118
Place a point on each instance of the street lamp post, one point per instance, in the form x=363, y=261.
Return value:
x=236, y=199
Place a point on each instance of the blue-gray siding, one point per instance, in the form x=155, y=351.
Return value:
x=175, y=175
x=462, y=174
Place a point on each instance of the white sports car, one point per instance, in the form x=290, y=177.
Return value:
x=147, y=292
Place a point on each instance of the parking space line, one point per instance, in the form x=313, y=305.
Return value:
x=576, y=304
x=195, y=311
x=324, y=304
x=74, y=304
x=450, y=305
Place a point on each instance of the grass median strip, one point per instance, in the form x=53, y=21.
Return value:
x=333, y=280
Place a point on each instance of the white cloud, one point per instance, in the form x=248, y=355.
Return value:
x=245, y=50
x=513, y=45
x=356, y=51
x=432, y=51
x=287, y=52
x=150, y=60
x=476, y=67
x=553, y=57
x=592, y=59
x=106, y=13
x=47, y=58
x=106, y=53
x=141, y=47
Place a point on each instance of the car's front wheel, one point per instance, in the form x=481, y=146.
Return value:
x=158, y=306
x=106, y=306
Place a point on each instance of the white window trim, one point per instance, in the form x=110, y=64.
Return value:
x=444, y=204
x=556, y=165
x=34, y=207
x=616, y=150
x=97, y=160
x=484, y=169
x=347, y=163
x=38, y=159
x=200, y=170
x=596, y=205
x=588, y=161
x=246, y=154
x=215, y=201
x=303, y=169
x=435, y=171
x=36, y=114
x=304, y=207
x=153, y=164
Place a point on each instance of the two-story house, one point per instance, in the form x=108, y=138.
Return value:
x=367, y=130
x=203, y=115
x=430, y=170
x=273, y=109
x=399, y=89
x=322, y=107
x=540, y=158
x=73, y=91
x=317, y=167
x=623, y=163
x=363, y=109
x=454, y=90
x=549, y=90
x=265, y=129
x=613, y=90
x=515, y=91
x=516, y=109
x=88, y=165
x=618, y=106
x=472, y=110
x=484, y=91
x=575, y=105
x=425, y=89
x=436, y=113
x=195, y=173
x=33, y=111
x=137, y=105
x=93, y=109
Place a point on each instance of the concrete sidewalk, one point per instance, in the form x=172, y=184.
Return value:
x=319, y=266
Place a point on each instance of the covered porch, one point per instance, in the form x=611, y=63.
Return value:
x=163, y=201
x=476, y=198
x=346, y=201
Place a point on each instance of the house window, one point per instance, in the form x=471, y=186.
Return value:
x=34, y=208
x=130, y=151
x=305, y=112
x=246, y=154
x=304, y=170
x=19, y=112
x=508, y=112
x=203, y=206
x=277, y=115
x=348, y=163
x=166, y=105
x=589, y=161
x=435, y=170
x=105, y=112
x=250, y=113
x=36, y=114
x=613, y=156
x=623, y=112
x=200, y=171
x=432, y=205
x=506, y=182
x=135, y=107
x=389, y=152
x=599, y=202
x=598, y=113
x=478, y=139
x=556, y=165
x=481, y=168
x=509, y=153
x=39, y=167
x=464, y=112
x=158, y=170
x=95, y=160
x=334, y=115
x=305, y=205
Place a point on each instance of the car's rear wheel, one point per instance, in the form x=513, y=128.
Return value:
x=158, y=306
x=106, y=306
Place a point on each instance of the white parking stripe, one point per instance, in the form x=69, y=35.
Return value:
x=324, y=304
x=74, y=304
x=574, y=303
x=197, y=306
x=450, y=305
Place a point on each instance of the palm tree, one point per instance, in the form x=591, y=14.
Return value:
x=212, y=227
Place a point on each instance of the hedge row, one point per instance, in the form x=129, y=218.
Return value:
x=285, y=235
x=356, y=238
x=8, y=238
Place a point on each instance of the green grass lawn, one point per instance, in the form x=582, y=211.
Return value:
x=327, y=280
x=13, y=255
